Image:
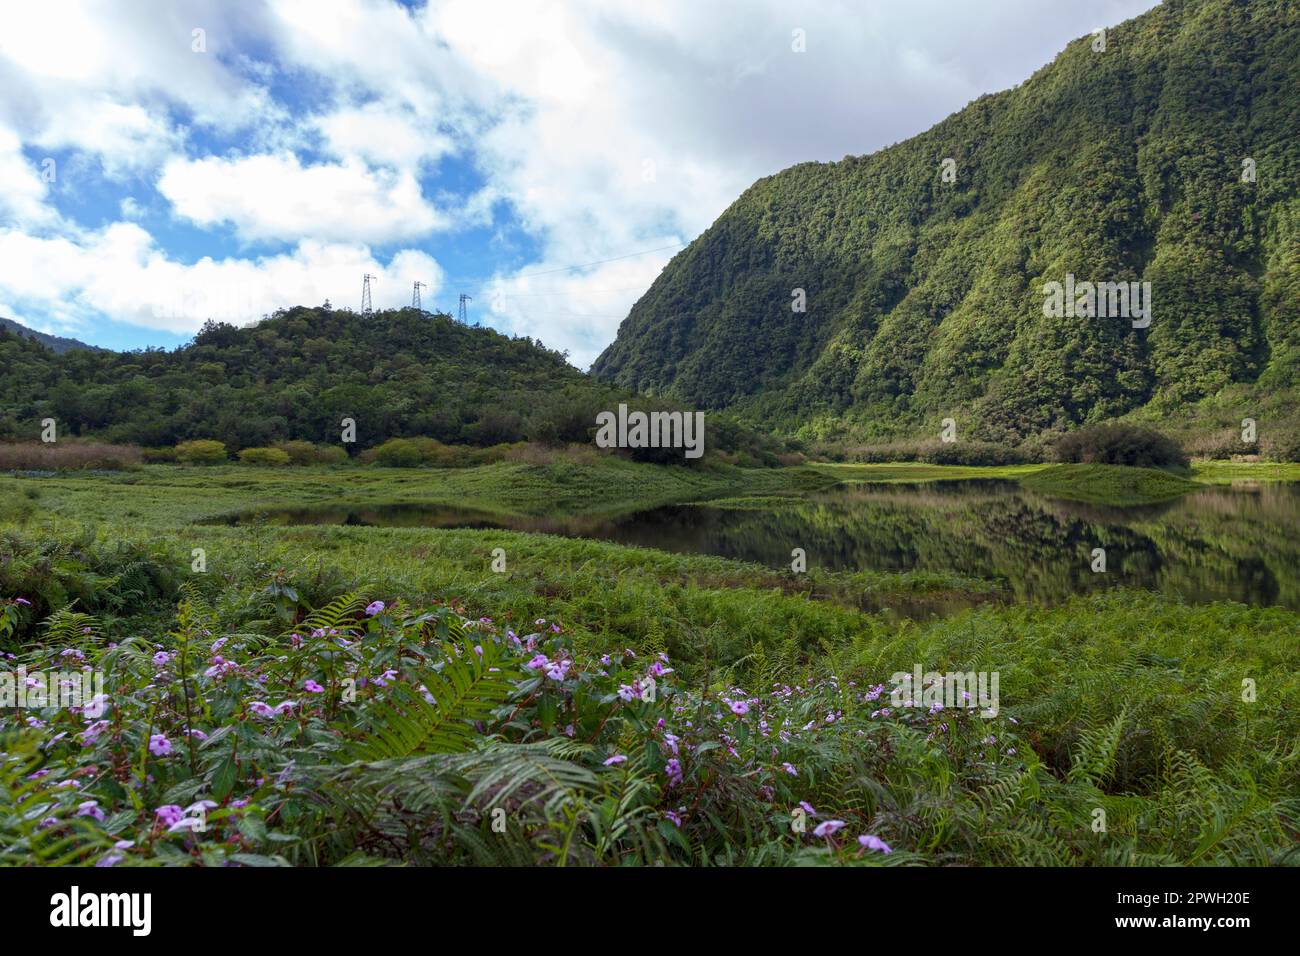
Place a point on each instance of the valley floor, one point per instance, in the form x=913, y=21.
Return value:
x=1128, y=702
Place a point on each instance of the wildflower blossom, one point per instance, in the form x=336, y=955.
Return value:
x=90, y=808
x=374, y=608
x=159, y=745
x=828, y=828
x=873, y=842
x=169, y=814
x=615, y=759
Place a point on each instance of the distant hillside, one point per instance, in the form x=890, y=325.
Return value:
x=55, y=343
x=924, y=297
x=297, y=375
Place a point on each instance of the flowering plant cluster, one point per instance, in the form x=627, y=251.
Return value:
x=371, y=729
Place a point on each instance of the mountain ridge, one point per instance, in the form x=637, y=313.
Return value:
x=55, y=343
x=924, y=297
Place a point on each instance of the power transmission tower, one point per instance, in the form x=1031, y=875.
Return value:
x=464, y=310
x=366, y=307
x=415, y=295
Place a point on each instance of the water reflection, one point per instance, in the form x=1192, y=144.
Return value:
x=1238, y=543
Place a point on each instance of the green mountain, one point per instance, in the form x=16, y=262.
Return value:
x=55, y=343
x=296, y=375
x=924, y=298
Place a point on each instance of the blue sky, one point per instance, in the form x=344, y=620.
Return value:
x=167, y=161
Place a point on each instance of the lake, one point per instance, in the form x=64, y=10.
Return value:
x=1238, y=543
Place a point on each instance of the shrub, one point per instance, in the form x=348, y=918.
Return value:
x=68, y=455
x=264, y=456
x=157, y=456
x=1219, y=445
x=1284, y=448
x=305, y=453
x=201, y=451
x=1121, y=444
x=969, y=453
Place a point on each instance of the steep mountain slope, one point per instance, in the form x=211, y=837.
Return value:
x=55, y=343
x=925, y=297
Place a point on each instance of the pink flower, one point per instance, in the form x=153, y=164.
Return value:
x=557, y=670
x=159, y=745
x=789, y=768
x=374, y=608
x=616, y=758
x=261, y=709
x=90, y=809
x=808, y=808
x=873, y=842
x=538, y=662
x=739, y=708
x=170, y=814
x=312, y=687
x=827, y=828
x=673, y=768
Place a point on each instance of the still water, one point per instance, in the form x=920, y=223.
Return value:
x=1238, y=543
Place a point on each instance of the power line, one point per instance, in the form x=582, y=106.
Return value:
x=581, y=265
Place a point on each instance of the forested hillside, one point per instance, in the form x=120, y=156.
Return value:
x=924, y=297
x=296, y=376
x=55, y=343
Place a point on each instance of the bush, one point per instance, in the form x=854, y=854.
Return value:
x=969, y=453
x=1121, y=445
x=305, y=453
x=264, y=456
x=1286, y=448
x=158, y=456
x=68, y=455
x=201, y=451
x=1219, y=445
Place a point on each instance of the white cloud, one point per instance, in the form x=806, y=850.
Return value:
x=119, y=271
x=382, y=134
x=97, y=76
x=277, y=198
x=22, y=189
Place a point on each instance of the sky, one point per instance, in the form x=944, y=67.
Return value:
x=163, y=162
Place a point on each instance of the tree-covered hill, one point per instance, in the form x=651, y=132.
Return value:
x=55, y=343
x=296, y=375
x=924, y=297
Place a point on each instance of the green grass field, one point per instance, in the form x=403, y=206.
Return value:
x=1128, y=702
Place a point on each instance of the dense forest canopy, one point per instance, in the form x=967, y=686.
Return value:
x=295, y=375
x=1171, y=156
x=298, y=374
